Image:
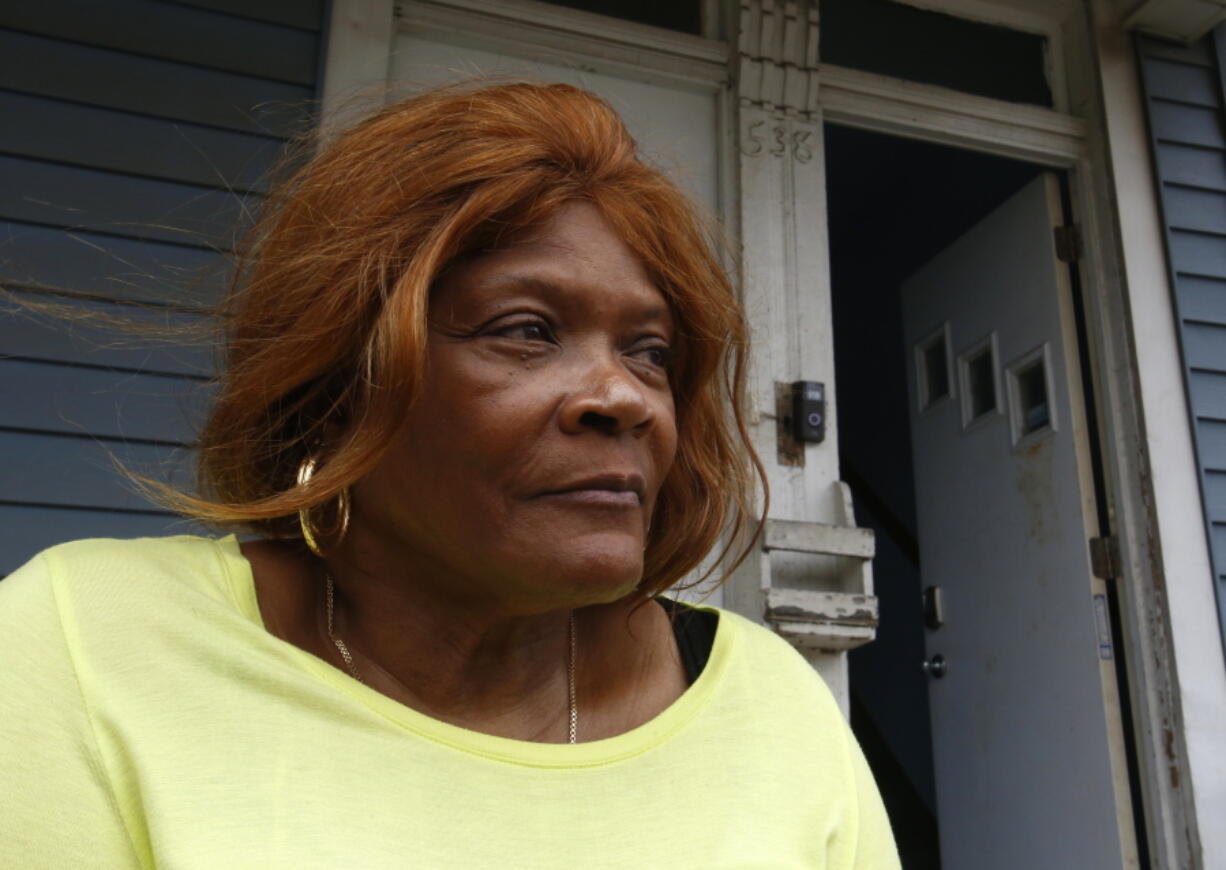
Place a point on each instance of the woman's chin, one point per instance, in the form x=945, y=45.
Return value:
x=597, y=569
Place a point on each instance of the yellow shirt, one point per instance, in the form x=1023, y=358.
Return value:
x=147, y=719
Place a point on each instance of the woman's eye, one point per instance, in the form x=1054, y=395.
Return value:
x=657, y=355
x=525, y=332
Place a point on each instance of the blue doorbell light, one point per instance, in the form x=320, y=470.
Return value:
x=809, y=412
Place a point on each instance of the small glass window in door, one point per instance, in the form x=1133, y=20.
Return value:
x=977, y=376
x=932, y=358
x=1031, y=410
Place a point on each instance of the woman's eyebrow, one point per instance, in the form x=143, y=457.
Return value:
x=531, y=283
x=558, y=291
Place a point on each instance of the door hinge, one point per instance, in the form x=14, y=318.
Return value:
x=1105, y=557
x=1068, y=243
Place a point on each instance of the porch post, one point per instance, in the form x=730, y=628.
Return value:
x=786, y=290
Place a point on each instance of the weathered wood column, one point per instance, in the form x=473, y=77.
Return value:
x=811, y=578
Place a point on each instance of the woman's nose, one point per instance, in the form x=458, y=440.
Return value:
x=607, y=398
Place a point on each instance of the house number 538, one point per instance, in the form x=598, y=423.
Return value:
x=777, y=140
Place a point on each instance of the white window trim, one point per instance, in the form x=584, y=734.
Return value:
x=935, y=114
x=544, y=31
x=1013, y=393
x=969, y=421
x=924, y=403
x=1042, y=17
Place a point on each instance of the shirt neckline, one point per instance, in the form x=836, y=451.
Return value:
x=647, y=736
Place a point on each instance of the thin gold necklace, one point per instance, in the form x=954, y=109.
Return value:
x=343, y=649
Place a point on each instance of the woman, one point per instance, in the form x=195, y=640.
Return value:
x=474, y=408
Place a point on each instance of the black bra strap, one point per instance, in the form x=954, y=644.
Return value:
x=695, y=633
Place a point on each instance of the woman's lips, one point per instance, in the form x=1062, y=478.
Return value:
x=611, y=498
x=609, y=489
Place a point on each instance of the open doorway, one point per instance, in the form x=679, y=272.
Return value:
x=988, y=706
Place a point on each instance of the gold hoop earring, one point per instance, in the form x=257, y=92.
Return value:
x=306, y=470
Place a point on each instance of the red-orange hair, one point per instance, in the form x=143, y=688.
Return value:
x=326, y=322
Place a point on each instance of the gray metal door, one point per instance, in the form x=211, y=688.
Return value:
x=1027, y=743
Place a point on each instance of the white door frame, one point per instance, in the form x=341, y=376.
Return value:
x=777, y=77
x=1078, y=145
x=1062, y=141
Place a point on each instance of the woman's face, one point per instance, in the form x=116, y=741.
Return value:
x=531, y=462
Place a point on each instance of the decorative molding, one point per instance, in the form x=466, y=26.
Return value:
x=777, y=56
x=921, y=111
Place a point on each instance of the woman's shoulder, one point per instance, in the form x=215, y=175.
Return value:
x=761, y=641
x=149, y=554
x=769, y=663
x=135, y=557
x=100, y=569
x=107, y=603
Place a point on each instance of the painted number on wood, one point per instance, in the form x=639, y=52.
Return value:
x=777, y=140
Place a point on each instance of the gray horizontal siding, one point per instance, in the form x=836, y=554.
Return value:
x=1197, y=125
x=1197, y=54
x=149, y=147
x=1198, y=253
x=1215, y=492
x=1204, y=346
x=147, y=86
x=107, y=335
x=51, y=194
x=113, y=268
x=108, y=403
x=1196, y=210
x=179, y=33
x=304, y=14
x=1202, y=298
x=25, y=529
x=1212, y=435
x=1187, y=116
x=1208, y=394
x=81, y=473
x=1179, y=82
x=137, y=140
x=1194, y=166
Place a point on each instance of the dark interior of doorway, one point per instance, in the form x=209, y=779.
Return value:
x=893, y=204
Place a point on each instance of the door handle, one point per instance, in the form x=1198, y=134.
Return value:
x=935, y=666
x=934, y=607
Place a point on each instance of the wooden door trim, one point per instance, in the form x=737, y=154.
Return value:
x=919, y=111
